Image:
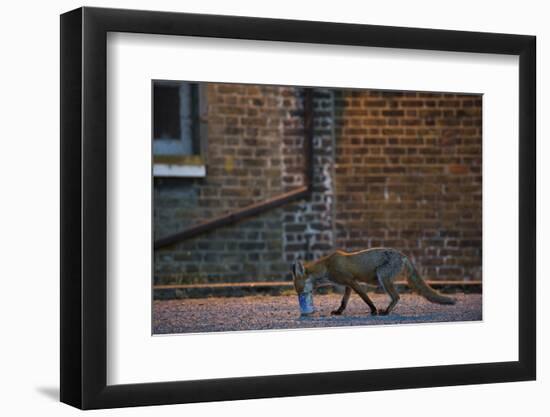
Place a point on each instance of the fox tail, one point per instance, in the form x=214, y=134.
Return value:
x=417, y=283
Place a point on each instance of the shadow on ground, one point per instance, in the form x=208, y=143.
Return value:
x=50, y=392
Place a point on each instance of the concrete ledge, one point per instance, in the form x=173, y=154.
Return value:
x=239, y=289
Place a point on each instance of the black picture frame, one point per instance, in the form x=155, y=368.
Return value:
x=84, y=207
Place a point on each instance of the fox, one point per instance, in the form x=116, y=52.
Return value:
x=375, y=266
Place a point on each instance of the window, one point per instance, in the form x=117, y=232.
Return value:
x=179, y=129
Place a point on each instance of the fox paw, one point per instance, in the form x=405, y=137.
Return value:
x=384, y=312
x=374, y=312
x=335, y=313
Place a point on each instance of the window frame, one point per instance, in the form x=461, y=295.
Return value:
x=167, y=161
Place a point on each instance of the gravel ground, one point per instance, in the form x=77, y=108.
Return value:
x=282, y=312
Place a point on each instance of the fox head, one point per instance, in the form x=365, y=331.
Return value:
x=300, y=277
x=303, y=284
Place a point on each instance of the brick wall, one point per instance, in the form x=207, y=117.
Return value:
x=408, y=175
x=309, y=224
x=247, y=161
x=390, y=169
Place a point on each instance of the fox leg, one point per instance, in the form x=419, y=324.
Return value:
x=357, y=288
x=343, y=304
x=387, y=284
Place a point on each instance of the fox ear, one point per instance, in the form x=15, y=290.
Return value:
x=300, y=268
